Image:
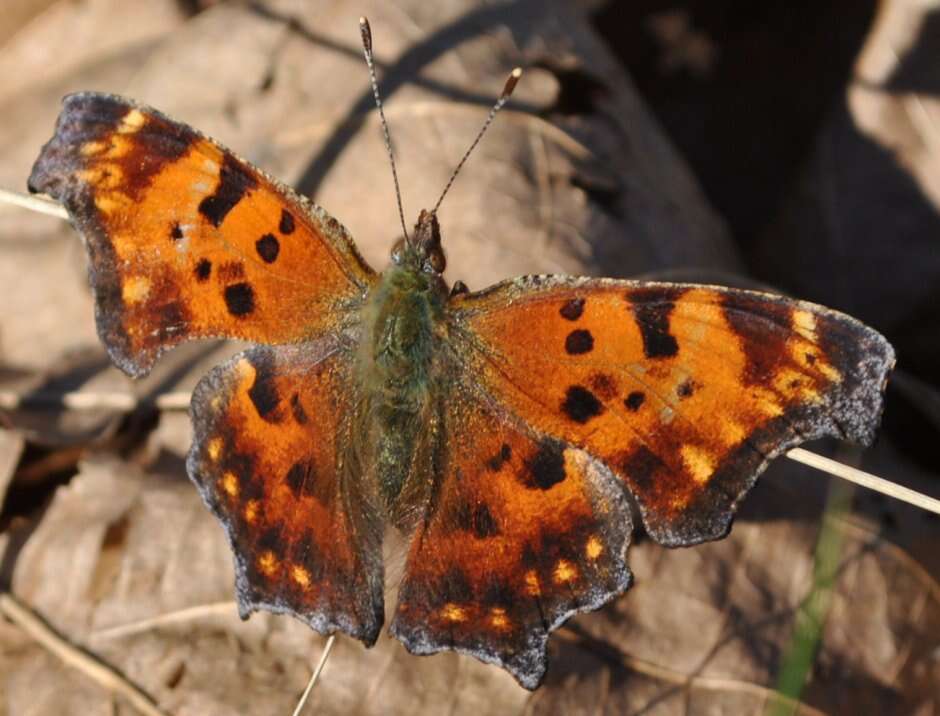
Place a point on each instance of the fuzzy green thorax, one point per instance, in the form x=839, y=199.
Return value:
x=400, y=338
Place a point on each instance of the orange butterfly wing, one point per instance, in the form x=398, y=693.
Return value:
x=188, y=241
x=685, y=392
x=522, y=533
x=272, y=434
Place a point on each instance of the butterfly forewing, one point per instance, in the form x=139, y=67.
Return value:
x=186, y=240
x=685, y=392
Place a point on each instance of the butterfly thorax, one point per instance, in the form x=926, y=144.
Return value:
x=402, y=323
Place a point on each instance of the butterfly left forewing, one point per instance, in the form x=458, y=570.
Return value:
x=187, y=240
x=522, y=532
x=685, y=392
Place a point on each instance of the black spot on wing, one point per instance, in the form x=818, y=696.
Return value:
x=634, y=400
x=546, y=468
x=581, y=404
x=263, y=392
x=686, y=388
x=234, y=184
x=176, y=232
x=641, y=466
x=268, y=247
x=286, y=225
x=455, y=587
x=203, y=270
x=651, y=308
x=496, y=462
x=239, y=299
x=477, y=520
x=572, y=309
x=579, y=341
x=297, y=409
x=303, y=481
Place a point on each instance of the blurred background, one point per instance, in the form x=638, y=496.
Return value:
x=789, y=146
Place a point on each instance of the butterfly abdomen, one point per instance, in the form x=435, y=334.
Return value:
x=395, y=372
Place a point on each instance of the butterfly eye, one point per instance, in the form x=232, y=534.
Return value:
x=398, y=251
x=435, y=260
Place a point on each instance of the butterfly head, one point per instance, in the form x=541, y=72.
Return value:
x=422, y=250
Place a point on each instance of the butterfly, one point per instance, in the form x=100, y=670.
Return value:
x=507, y=433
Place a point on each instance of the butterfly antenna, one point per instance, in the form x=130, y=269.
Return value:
x=510, y=85
x=366, y=33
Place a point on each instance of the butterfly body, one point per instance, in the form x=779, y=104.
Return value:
x=400, y=370
x=504, y=431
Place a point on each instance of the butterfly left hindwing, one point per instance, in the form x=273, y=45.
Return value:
x=272, y=430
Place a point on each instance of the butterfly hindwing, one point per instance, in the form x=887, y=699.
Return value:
x=269, y=458
x=522, y=532
x=685, y=392
x=186, y=240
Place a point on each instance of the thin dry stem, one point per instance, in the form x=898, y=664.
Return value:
x=315, y=676
x=865, y=479
x=34, y=202
x=104, y=675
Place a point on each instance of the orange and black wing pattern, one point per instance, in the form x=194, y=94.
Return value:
x=684, y=392
x=186, y=240
x=521, y=533
x=270, y=460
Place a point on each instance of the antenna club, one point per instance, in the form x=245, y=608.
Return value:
x=511, y=83
x=366, y=32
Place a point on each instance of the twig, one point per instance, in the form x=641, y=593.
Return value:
x=181, y=615
x=35, y=202
x=865, y=479
x=316, y=675
x=103, y=674
x=89, y=400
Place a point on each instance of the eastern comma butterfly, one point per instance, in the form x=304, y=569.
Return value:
x=506, y=431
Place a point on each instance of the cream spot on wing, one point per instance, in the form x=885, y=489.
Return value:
x=594, y=548
x=214, y=448
x=251, y=511
x=532, y=586
x=732, y=433
x=804, y=323
x=564, y=571
x=498, y=618
x=666, y=415
x=830, y=372
x=699, y=463
x=766, y=402
x=245, y=369
x=267, y=563
x=112, y=202
x=135, y=289
x=200, y=187
x=230, y=484
x=92, y=147
x=792, y=382
x=211, y=166
x=452, y=613
x=131, y=122
x=300, y=575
